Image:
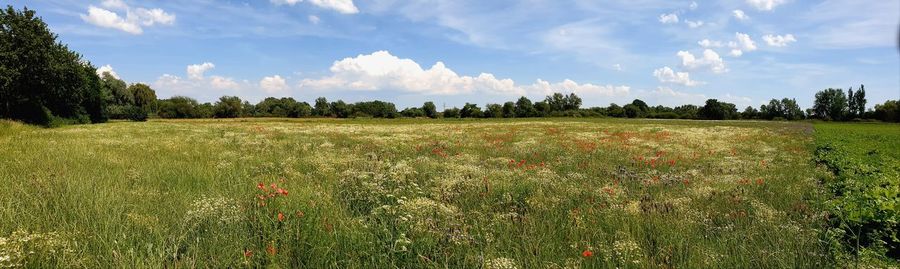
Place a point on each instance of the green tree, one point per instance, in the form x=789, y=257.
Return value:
x=750, y=113
x=451, y=113
x=889, y=111
x=687, y=111
x=791, y=109
x=572, y=102
x=338, y=109
x=633, y=111
x=509, y=110
x=470, y=111
x=228, y=107
x=860, y=101
x=830, y=104
x=715, y=110
x=430, y=110
x=41, y=78
x=493, y=111
x=322, y=108
x=178, y=107
x=524, y=108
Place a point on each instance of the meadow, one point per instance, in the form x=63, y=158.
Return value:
x=322, y=193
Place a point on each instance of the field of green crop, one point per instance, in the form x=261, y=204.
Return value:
x=414, y=194
x=864, y=160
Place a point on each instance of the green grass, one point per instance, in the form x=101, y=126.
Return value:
x=413, y=194
x=865, y=163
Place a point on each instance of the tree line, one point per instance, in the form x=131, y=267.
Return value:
x=43, y=82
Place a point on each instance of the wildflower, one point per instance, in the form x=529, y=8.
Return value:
x=261, y=186
x=283, y=192
x=587, y=253
x=672, y=162
x=280, y=216
x=759, y=181
x=271, y=249
x=273, y=185
x=299, y=214
x=248, y=253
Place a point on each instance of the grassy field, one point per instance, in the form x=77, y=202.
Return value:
x=864, y=159
x=413, y=194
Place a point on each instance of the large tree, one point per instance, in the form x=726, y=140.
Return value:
x=830, y=104
x=40, y=78
x=228, y=107
x=430, y=110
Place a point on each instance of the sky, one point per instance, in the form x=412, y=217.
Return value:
x=665, y=52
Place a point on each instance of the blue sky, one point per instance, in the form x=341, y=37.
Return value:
x=456, y=51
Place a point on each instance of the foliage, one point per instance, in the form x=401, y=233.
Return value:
x=430, y=110
x=865, y=162
x=228, y=107
x=40, y=78
x=830, y=104
x=715, y=110
x=889, y=111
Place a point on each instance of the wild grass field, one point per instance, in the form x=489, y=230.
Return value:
x=413, y=194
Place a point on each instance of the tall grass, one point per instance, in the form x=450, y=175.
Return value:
x=412, y=194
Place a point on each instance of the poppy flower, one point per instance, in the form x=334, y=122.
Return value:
x=261, y=186
x=271, y=250
x=248, y=253
x=283, y=192
x=280, y=216
x=587, y=253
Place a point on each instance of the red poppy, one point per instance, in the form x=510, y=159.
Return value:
x=587, y=253
x=248, y=253
x=271, y=250
x=261, y=186
x=283, y=192
x=759, y=181
x=280, y=216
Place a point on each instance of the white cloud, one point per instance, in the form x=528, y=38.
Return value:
x=706, y=43
x=666, y=95
x=543, y=87
x=149, y=17
x=195, y=71
x=108, y=19
x=779, y=40
x=693, y=24
x=223, y=83
x=107, y=69
x=709, y=60
x=132, y=22
x=314, y=19
x=668, y=18
x=740, y=15
x=765, y=4
x=667, y=75
x=273, y=84
x=693, y=5
x=617, y=67
x=383, y=71
x=341, y=6
x=743, y=44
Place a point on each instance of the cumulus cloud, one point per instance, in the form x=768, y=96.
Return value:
x=706, y=43
x=739, y=14
x=742, y=44
x=223, y=83
x=273, y=84
x=107, y=69
x=667, y=75
x=693, y=5
x=709, y=60
x=383, y=71
x=693, y=24
x=195, y=71
x=133, y=21
x=341, y=6
x=668, y=18
x=314, y=19
x=779, y=40
x=765, y=5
